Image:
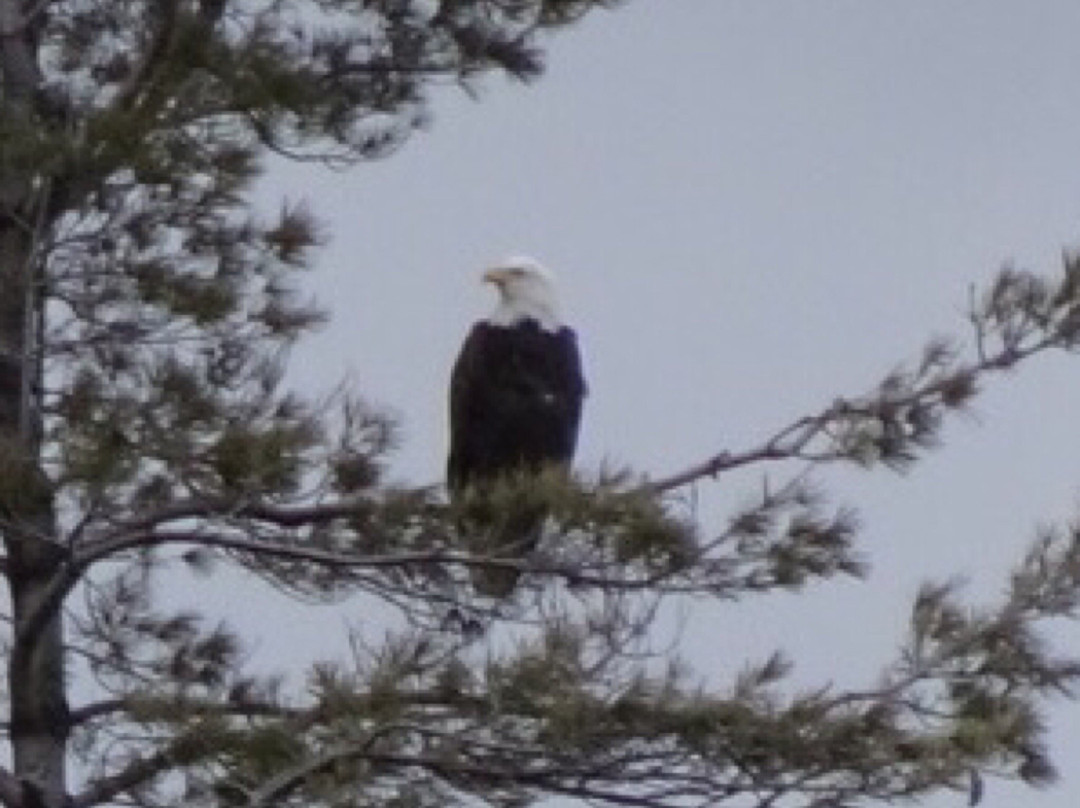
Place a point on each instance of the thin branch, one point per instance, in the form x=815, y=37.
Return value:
x=246, y=708
x=143, y=540
x=791, y=442
x=289, y=779
x=280, y=515
x=651, y=788
x=136, y=773
x=81, y=558
x=571, y=573
x=97, y=709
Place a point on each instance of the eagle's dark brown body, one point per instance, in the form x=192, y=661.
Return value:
x=515, y=402
x=516, y=395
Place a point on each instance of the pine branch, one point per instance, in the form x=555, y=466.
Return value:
x=155, y=57
x=97, y=709
x=103, y=550
x=280, y=785
x=1022, y=313
x=553, y=779
x=138, y=772
x=958, y=703
x=233, y=508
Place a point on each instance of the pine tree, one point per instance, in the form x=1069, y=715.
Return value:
x=145, y=316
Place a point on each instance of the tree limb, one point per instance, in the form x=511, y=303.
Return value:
x=793, y=441
x=183, y=749
x=280, y=515
x=142, y=540
x=136, y=773
x=88, y=712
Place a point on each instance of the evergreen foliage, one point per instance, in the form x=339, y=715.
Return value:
x=144, y=322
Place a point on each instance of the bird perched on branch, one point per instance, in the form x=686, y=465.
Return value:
x=516, y=394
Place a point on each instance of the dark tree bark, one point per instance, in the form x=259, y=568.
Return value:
x=38, y=721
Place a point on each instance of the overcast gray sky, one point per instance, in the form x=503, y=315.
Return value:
x=752, y=207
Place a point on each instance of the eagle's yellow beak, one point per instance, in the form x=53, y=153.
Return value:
x=495, y=276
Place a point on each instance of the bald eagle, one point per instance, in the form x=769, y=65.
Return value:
x=516, y=394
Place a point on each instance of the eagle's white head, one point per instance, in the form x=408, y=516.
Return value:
x=526, y=290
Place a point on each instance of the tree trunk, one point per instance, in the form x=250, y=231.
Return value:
x=39, y=725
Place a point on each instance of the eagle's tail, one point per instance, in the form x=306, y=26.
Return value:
x=511, y=540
